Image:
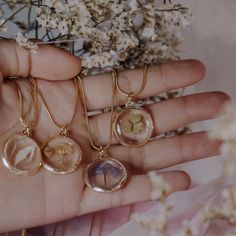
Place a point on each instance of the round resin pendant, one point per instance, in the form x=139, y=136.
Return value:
x=105, y=175
x=61, y=155
x=21, y=155
x=133, y=126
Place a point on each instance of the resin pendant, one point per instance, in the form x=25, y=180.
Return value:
x=21, y=155
x=105, y=175
x=61, y=155
x=133, y=126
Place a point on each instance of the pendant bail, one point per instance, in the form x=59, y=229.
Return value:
x=64, y=131
x=102, y=154
x=130, y=102
x=27, y=131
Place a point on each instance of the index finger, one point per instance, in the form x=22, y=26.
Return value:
x=49, y=62
x=161, y=78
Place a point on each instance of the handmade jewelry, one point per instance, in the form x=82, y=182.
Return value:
x=105, y=174
x=61, y=154
x=21, y=154
x=133, y=126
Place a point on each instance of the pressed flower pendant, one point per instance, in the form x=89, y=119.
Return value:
x=21, y=155
x=61, y=155
x=105, y=175
x=133, y=126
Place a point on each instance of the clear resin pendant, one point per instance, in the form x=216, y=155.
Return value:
x=133, y=126
x=61, y=155
x=105, y=175
x=21, y=155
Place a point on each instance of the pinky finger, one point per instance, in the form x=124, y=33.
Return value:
x=138, y=189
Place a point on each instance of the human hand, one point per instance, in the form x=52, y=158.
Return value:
x=46, y=197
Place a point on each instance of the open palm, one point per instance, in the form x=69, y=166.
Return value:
x=45, y=197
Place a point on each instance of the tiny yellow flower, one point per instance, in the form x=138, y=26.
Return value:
x=133, y=124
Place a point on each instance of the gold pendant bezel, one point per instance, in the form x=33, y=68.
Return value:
x=99, y=189
x=117, y=135
x=14, y=170
x=53, y=169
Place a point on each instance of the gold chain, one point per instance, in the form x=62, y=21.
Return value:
x=64, y=128
x=83, y=99
x=134, y=94
x=28, y=124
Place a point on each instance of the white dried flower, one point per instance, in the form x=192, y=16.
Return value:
x=229, y=205
x=225, y=210
x=25, y=43
x=160, y=187
x=109, y=26
x=158, y=223
x=225, y=128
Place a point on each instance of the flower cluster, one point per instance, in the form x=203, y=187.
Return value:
x=120, y=34
x=225, y=131
x=226, y=210
x=25, y=43
x=160, y=190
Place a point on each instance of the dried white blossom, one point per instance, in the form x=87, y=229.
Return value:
x=160, y=187
x=158, y=223
x=111, y=27
x=225, y=210
x=25, y=43
x=225, y=129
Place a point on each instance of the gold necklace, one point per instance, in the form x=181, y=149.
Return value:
x=21, y=154
x=61, y=154
x=133, y=126
x=105, y=174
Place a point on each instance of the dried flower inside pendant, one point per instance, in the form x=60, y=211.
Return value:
x=134, y=124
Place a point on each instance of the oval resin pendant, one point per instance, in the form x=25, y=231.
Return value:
x=133, y=126
x=105, y=175
x=21, y=155
x=61, y=155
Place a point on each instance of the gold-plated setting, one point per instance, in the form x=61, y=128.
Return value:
x=61, y=154
x=105, y=174
x=21, y=154
x=133, y=126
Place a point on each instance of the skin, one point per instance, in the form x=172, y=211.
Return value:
x=45, y=197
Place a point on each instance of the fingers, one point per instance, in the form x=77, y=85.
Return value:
x=163, y=153
x=171, y=114
x=48, y=63
x=132, y=193
x=172, y=75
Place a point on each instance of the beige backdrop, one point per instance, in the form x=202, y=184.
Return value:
x=212, y=38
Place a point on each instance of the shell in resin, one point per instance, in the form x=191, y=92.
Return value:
x=133, y=126
x=21, y=155
x=105, y=175
x=61, y=155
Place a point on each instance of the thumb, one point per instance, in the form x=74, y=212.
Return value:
x=48, y=63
